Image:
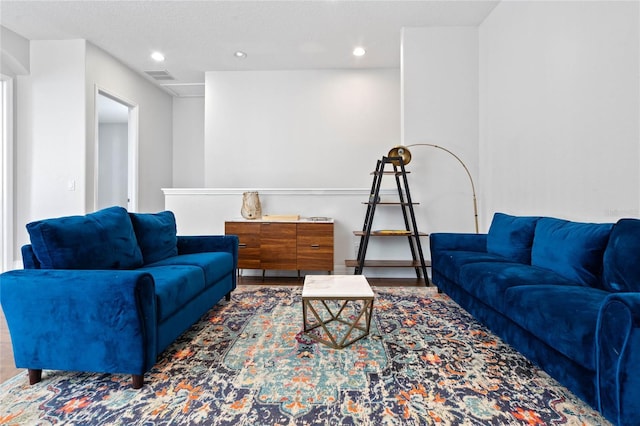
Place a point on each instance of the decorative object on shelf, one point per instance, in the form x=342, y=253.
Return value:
x=319, y=219
x=404, y=153
x=281, y=217
x=392, y=232
x=251, y=208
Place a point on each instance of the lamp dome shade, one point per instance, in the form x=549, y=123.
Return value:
x=402, y=152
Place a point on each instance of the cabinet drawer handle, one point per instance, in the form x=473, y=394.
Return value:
x=242, y=245
x=315, y=245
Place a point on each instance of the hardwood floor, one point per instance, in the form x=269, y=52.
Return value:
x=8, y=369
x=380, y=282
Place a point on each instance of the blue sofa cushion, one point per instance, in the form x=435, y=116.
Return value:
x=564, y=317
x=511, y=236
x=175, y=286
x=622, y=257
x=449, y=262
x=572, y=249
x=214, y=265
x=101, y=240
x=489, y=281
x=156, y=234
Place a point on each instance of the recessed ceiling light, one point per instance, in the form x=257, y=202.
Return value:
x=157, y=56
x=240, y=54
x=359, y=51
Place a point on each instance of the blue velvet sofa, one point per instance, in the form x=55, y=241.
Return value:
x=565, y=294
x=109, y=291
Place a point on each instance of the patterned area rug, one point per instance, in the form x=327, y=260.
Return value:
x=246, y=362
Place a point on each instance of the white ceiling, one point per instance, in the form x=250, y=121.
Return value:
x=200, y=36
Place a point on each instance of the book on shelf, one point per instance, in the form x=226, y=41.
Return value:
x=392, y=232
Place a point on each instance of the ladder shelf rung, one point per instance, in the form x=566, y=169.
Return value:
x=390, y=203
x=398, y=173
x=389, y=234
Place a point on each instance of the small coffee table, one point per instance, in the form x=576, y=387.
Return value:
x=344, y=289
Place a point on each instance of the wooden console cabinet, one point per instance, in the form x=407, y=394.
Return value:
x=293, y=245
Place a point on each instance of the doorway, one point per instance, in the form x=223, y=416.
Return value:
x=116, y=152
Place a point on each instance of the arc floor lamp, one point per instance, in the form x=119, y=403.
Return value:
x=404, y=153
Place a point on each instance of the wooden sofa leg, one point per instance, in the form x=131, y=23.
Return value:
x=34, y=376
x=137, y=380
x=227, y=296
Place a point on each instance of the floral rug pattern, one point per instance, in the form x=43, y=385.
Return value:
x=425, y=362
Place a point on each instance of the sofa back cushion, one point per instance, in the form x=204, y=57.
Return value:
x=100, y=240
x=571, y=249
x=621, y=269
x=156, y=234
x=511, y=236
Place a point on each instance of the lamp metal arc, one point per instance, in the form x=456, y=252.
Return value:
x=404, y=153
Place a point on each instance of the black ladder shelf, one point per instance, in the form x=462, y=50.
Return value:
x=411, y=229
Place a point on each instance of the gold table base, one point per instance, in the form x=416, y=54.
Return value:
x=337, y=341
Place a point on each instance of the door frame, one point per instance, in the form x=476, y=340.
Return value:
x=132, y=150
x=6, y=179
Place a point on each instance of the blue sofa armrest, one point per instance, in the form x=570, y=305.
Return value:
x=81, y=320
x=452, y=241
x=210, y=243
x=618, y=358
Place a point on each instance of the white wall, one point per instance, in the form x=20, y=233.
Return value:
x=203, y=211
x=14, y=61
x=440, y=107
x=50, y=151
x=155, y=130
x=56, y=131
x=188, y=142
x=560, y=109
x=307, y=141
x=318, y=128
x=541, y=102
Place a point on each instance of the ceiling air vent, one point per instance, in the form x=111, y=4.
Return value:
x=160, y=75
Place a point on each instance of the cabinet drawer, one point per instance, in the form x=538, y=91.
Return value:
x=249, y=243
x=315, y=246
x=278, y=245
